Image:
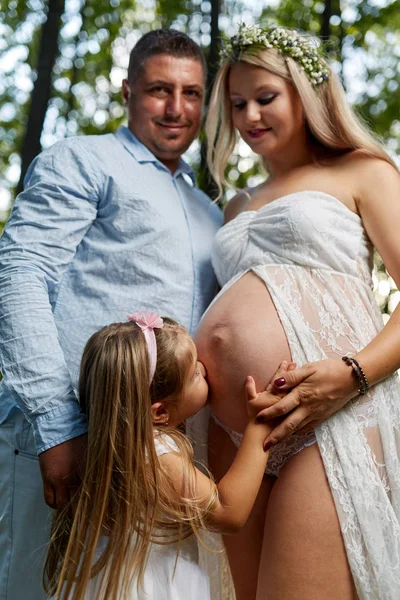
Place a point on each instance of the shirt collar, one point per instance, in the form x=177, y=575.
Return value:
x=143, y=154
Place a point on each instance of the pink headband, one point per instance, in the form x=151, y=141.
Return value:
x=147, y=322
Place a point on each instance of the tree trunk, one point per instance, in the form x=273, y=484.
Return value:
x=206, y=181
x=334, y=49
x=326, y=15
x=213, y=56
x=41, y=91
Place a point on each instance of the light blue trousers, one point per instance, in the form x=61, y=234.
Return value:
x=25, y=519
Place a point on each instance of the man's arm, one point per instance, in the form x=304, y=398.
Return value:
x=48, y=221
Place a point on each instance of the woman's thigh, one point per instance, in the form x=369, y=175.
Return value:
x=303, y=555
x=243, y=548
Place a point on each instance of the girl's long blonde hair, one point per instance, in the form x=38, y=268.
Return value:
x=125, y=494
x=332, y=124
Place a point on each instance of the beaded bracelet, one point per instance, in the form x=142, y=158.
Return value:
x=359, y=373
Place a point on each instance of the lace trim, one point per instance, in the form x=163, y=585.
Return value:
x=326, y=316
x=281, y=452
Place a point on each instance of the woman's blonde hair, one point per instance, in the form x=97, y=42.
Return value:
x=125, y=494
x=331, y=123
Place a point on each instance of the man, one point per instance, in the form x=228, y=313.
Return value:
x=106, y=225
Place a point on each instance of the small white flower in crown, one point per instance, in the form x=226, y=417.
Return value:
x=291, y=44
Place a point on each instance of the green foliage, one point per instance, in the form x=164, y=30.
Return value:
x=364, y=46
x=19, y=35
x=83, y=99
x=97, y=36
x=94, y=46
x=170, y=13
x=365, y=38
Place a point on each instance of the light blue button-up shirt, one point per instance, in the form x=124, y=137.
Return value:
x=101, y=230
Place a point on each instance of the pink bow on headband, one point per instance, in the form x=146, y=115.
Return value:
x=148, y=321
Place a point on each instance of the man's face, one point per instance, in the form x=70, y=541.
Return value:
x=165, y=105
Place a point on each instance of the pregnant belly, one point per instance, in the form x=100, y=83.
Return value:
x=240, y=335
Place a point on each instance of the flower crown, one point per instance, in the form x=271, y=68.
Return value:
x=291, y=44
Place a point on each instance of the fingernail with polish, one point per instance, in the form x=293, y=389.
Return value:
x=280, y=382
x=267, y=446
x=260, y=419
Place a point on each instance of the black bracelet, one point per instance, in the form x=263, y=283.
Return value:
x=359, y=373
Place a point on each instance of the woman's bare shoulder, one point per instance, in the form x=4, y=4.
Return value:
x=365, y=176
x=239, y=203
x=372, y=177
x=236, y=205
x=360, y=163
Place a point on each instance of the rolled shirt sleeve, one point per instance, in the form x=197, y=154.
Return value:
x=48, y=222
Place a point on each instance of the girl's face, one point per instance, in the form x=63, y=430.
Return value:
x=266, y=110
x=194, y=395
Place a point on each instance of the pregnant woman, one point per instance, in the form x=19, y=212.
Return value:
x=294, y=261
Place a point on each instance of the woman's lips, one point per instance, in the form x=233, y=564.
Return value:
x=256, y=133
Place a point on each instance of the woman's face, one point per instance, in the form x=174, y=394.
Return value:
x=266, y=110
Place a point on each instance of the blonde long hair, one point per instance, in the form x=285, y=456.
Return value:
x=125, y=494
x=331, y=122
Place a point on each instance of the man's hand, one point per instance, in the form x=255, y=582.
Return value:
x=62, y=470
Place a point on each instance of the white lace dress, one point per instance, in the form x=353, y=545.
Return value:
x=315, y=258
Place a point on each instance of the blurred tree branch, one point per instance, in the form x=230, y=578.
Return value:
x=31, y=146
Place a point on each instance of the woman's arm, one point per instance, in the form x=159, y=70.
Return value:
x=238, y=489
x=379, y=206
x=323, y=387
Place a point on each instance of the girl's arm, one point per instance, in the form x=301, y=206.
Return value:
x=321, y=388
x=238, y=489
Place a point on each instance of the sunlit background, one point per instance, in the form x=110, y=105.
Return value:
x=91, y=57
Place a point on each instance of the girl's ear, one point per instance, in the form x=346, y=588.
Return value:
x=159, y=413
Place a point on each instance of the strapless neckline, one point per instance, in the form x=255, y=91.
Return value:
x=308, y=228
x=299, y=193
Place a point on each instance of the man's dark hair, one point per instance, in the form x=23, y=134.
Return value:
x=163, y=41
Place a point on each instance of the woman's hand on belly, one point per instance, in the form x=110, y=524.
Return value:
x=313, y=393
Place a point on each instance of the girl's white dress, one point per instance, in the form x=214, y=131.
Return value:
x=167, y=577
x=315, y=259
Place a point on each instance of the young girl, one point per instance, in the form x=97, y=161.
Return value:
x=141, y=497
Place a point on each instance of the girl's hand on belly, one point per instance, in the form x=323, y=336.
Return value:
x=313, y=393
x=257, y=401
x=253, y=397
